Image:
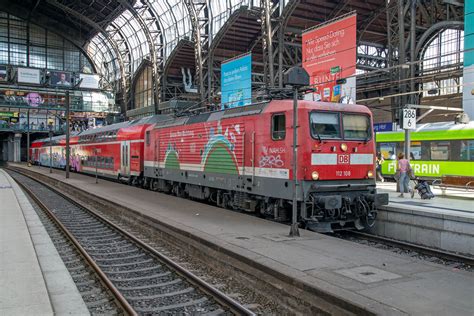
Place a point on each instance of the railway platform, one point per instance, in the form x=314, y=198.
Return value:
x=33, y=278
x=445, y=222
x=378, y=281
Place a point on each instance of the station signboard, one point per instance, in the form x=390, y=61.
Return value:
x=409, y=118
x=329, y=56
x=383, y=127
x=236, y=81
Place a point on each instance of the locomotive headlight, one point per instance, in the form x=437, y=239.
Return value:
x=315, y=175
x=343, y=147
x=370, y=173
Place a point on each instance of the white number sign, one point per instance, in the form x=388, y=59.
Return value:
x=409, y=118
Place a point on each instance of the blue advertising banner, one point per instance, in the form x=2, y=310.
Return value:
x=468, y=89
x=236, y=82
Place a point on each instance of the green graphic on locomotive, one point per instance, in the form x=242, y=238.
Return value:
x=221, y=160
x=172, y=160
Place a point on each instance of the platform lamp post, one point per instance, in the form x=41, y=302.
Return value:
x=296, y=77
x=68, y=119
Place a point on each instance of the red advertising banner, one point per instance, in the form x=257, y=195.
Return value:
x=329, y=54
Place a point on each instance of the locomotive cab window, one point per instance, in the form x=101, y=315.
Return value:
x=278, y=127
x=325, y=125
x=356, y=126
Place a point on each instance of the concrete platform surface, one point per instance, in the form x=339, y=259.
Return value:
x=33, y=278
x=449, y=204
x=382, y=281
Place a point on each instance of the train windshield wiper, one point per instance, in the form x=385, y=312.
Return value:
x=366, y=139
x=319, y=137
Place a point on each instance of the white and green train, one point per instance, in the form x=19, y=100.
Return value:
x=437, y=149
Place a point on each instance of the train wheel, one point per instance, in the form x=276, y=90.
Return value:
x=370, y=219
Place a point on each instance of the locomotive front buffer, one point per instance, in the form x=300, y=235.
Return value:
x=335, y=207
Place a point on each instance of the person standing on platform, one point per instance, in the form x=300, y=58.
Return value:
x=404, y=169
x=378, y=166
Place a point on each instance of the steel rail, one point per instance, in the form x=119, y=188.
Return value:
x=115, y=292
x=421, y=249
x=219, y=296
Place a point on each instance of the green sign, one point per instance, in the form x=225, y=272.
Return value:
x=7, y=114
x=335, y=70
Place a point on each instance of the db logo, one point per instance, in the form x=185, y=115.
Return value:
x=343, y=159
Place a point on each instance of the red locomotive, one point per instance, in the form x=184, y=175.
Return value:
x=241, y=158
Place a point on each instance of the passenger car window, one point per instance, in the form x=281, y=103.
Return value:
x=278, y=127
x=467, y=150
x=440, y=150
x=325, y=125
x=388, y=150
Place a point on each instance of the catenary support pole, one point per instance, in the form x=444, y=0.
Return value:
x=68, y=154
x=96, y=174
x=294, y=232
x=412, y=69
x=28, y=138
x=50, y=148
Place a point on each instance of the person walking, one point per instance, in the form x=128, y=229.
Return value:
x=378, y=166
x=404, y=169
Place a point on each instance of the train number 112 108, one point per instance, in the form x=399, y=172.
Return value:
x=345, y=173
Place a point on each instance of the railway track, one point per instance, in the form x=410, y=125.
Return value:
x=467, y=261
x=142, y=280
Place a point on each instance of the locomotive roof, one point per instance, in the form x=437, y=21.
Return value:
x=257, y=108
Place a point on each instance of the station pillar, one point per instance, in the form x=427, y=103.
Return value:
x=14, y=147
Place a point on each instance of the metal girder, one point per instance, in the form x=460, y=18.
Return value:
x=156, y=60
x=113, y=44
x=270, y=15
x=435, y=28
x=410, y=26
x=199, y=13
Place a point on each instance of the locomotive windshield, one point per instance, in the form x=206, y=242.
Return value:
x=325, y=125
x=356, y=126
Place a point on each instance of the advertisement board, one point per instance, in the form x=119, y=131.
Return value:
x=329, y=54
x=236, y=81
x=468, y=89
x=34, y=99
x=29, y=75
x=3, y=73
x=89, y=81
x=60, y=78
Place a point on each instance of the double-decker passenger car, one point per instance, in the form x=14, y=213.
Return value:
x=114, y=151
x=242, y=158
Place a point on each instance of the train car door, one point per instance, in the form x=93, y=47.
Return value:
x=125, y=158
